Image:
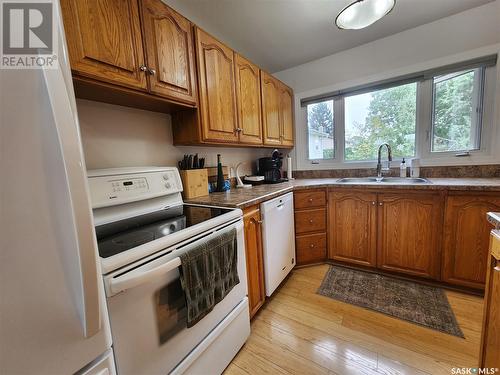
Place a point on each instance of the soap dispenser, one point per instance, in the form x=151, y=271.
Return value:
x=402, y=169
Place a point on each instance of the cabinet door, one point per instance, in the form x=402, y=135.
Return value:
x=409, y=228
x=490, y=340
x=466, y=239
x=248, y=101
x=104, y=40
x=255, y=263
x=352, y=227
x=217, y=92
x=271, y=118
x=286, y=111
x=170, y=52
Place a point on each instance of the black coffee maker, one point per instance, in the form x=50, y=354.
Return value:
x=270, y=168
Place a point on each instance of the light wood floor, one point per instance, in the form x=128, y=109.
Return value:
x=301, y=332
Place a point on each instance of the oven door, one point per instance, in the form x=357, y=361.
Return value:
x=147, y=309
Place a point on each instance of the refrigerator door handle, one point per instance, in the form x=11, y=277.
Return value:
x=62, y=99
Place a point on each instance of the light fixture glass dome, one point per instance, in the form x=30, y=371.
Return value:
x=363, y=13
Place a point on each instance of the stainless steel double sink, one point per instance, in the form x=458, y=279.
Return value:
x=383, y=180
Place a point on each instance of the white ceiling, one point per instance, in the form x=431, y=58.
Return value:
x=279, y=34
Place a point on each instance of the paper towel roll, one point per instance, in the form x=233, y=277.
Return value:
x=289, y=167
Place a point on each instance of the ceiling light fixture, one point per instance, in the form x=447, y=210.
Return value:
x=363, y=13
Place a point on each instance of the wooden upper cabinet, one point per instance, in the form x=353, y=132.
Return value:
x=254, y=258
x=169, y=48
x=409, y=233
x=286, y=109
x=467, y=239
x=353, y=227
x=271, y=114
x=104, y=40
x=248, y=101
x=217, y=89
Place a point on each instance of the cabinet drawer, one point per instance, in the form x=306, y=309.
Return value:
x=309, y=199
x=310, y=220
x=311, y=248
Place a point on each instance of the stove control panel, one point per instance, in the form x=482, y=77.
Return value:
x=124, y=185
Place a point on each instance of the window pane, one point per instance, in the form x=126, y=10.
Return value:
x=456, y=114
x=320, y=130
x=383, y=116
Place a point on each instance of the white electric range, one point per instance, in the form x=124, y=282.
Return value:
x=142, y=226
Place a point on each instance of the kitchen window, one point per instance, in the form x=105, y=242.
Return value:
x=382, y=116
x=457, y=111
x=435, y=115
x=320, y=130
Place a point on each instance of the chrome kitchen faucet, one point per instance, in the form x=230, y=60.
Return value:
x=389, y=159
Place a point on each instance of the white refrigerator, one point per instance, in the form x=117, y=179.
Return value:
x=53, y=317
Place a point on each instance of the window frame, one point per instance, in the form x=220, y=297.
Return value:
x=334, y=130
x=478, y=90
x=423, y=129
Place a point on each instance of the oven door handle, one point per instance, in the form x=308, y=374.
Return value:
x=141, y=275
x=133, y=279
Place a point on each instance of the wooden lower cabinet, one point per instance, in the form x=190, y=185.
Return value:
x=310, y=226
x=254, y=258
x=409, y=233
x=489, y=356
x=466, y=238
x=353, y=227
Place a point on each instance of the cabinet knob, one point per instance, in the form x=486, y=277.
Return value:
x=373, y=203
x=143, y=68
x=310, y=221
x=310, y=200
x=239, y=129
x=311, y=245
x=260, y=221
x=151, y=71
x=380, y=204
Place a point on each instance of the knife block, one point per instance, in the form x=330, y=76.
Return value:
x=195, y=183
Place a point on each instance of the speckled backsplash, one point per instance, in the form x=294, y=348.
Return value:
x=460, y=171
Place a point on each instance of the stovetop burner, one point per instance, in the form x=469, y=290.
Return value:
x=116, y=237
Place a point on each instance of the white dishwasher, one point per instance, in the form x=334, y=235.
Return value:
x=278, y=239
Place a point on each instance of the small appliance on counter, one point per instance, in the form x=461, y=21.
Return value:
x=254, y=180
x=270, y=168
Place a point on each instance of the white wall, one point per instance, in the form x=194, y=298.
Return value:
x=117, y=136
x=463, y=36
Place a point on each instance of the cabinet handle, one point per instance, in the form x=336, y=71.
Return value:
x=497, y=267
x=151, y=71
x=143, y=68
x=260, y=222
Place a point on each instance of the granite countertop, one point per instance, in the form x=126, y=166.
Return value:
x=494, y=218
x=242, y=198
